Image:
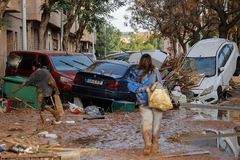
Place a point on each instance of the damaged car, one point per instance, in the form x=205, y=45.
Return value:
x=104, y=81
x=213, y=61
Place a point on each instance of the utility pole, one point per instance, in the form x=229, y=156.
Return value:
x=201, y=19
x=105, y=39
x=24, y=25
x=93, y=49
x=61, y=41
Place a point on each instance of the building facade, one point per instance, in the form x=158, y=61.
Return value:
x=12, y=34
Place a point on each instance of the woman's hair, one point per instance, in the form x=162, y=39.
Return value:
x=146, y=65
x=36, y=64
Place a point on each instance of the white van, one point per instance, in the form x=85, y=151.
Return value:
x=217, y=60
x=158, y=57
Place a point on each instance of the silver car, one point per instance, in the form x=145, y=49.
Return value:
x=216, y=60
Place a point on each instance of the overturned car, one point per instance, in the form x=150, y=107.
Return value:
x=209, y=66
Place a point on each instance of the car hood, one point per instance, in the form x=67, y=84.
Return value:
x=205, y=83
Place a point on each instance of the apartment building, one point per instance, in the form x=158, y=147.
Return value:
x=12, y=34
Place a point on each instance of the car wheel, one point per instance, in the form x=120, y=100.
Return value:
x=219, y=93
x=132, y=97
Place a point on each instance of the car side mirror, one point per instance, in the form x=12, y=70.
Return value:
x=222, y=69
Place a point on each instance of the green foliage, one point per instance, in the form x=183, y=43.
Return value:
x=108, y=36
x=136, y=42
x=148, y=46
x=4, y=23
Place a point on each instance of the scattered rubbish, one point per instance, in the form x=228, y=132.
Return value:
x=43, y=133
x=178, y=97
x=70, y=122
x=15, y=129
x=55, y=122
x=75, y=109
x=51, y=135
x=47, y=134
x=73, y=153
x=1, y=111
x=28, y=150
x=17, y=149
x=58, y=105
x=93, y=110
x=90, y=118
x=1, y=148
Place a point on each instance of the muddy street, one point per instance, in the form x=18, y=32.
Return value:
x=117, y=136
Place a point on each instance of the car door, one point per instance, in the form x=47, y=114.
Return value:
x=227, y=61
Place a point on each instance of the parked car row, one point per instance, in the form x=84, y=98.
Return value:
x=77, y=75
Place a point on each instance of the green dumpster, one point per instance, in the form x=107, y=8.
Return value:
x=26, y=95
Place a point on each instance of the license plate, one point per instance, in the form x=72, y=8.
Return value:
x=93, y=81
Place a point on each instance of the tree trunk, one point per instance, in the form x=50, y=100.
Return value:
x=43, y=25
x=79, y=35
x=223, y=31
x=68, y=26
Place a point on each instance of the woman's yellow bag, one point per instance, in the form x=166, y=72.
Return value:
x=158, y=97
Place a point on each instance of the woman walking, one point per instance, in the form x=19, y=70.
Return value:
x=150, y=118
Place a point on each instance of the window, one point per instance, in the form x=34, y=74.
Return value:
x=67, y=63
x=21, y=61
x=44, y=61
x=224, y=55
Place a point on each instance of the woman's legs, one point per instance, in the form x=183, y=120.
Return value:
x=147, y=119
x=157, y=120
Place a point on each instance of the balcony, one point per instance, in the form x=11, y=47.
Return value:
x=14, y=6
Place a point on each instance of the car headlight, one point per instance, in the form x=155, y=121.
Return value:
x=65, y=80
x=207, y=90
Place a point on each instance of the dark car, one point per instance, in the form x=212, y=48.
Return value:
x=104, y=80
x=62, y=65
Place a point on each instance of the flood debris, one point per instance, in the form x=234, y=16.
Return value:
x=191, y=84
x=226, y=140
x=187, y=154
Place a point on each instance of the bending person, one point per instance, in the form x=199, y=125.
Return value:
x=45, y=85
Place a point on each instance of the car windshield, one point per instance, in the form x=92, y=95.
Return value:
x=107, y=68
x=67, y=63
x=200, y=65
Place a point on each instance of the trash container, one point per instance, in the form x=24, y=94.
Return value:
x=26, y=95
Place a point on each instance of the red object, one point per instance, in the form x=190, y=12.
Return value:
x=78, y=79
x=113, y=85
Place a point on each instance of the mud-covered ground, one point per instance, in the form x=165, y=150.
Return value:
x=117, y=136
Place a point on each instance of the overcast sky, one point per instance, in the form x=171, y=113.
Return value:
x=119, y=20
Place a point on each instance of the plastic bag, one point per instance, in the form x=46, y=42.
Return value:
x=75, y=109
x=93, y=110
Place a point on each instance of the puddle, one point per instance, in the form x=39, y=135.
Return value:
x=227, y=140
x=207, y=114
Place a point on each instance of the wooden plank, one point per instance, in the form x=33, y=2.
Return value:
x=202, y=136
x=32, y=156
x=75, y=149
x=187, y=154
x=193, y=105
